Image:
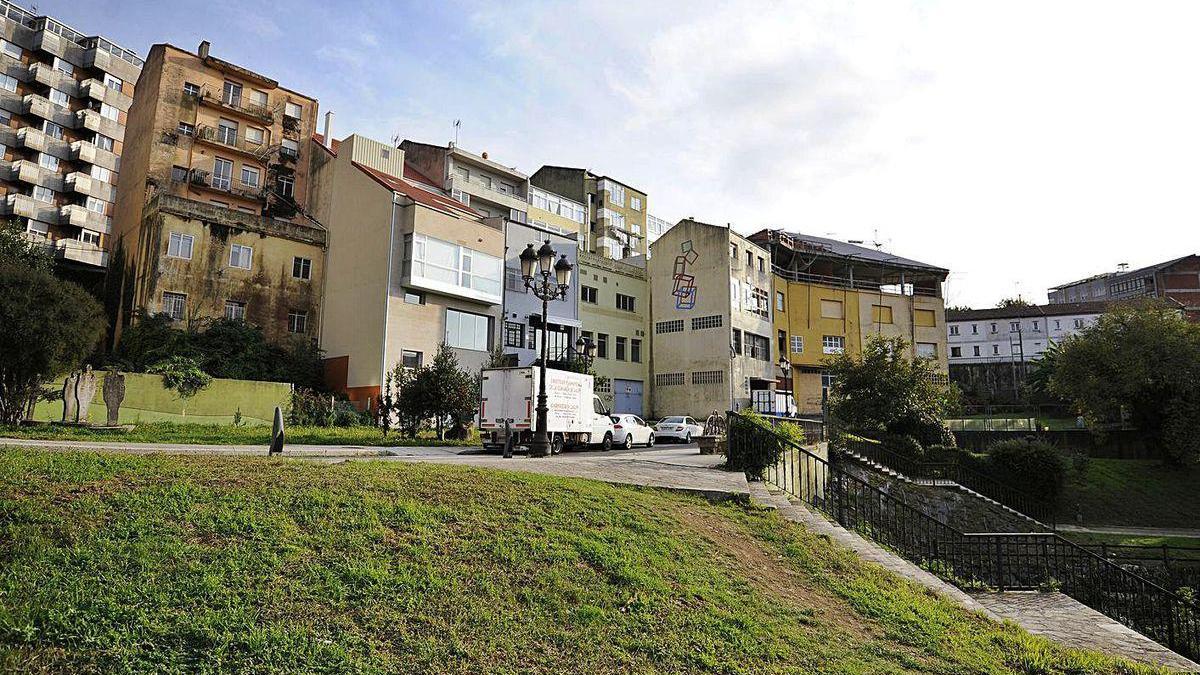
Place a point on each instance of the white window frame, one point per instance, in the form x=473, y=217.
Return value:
x=458, y=317
x=833, y=344
x=797, y=346
x=11, y=49
x=110, y=112
x=240, y=253
x=8, y=82
x=251, y=171
x=113, y=82
x=96, y=205
x=255, y=135
x=101, y=173
x=59, y=98
x=176, y=242
x=222, y=180
x=45, y=192
x=235, y=309
x=172, y=301
x=293, y=110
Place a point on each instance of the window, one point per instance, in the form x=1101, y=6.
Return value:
x=186, y=129
x=190, y=89
x=290, y=147
x=1057, y=324
x=96, y=205
x=285, y=185
x=994, y=329
x=227, y=131
x=779, y=301
x=89, y=237
x=258, y=98
x=10, y=49
x=635, y=350
x=758, y=347
x=668, y=379
x=235, y=309
x=255, y=135
x=414, y=298
x=616, y=193
x=222, y=176
x=5, y=117
x=1014, y=326
x=749, y=259
x=43, y=194
x=705, y=322
x=954, y=330
x=53, y=130
x=8, y=82
x=63, y=67
x=975, y=349
x=1036, y=327
x=675, y=326
x=466, y=331
x=48, y=161
x=797, y=344
x=783, y=343
x=621, y=348
x=708, y=377
x=174, y=305
x=298, y=322
x=179, y=174
x=733, y=252
x=995, y=350
x=927, y=350
x=761, y=264
x=37, y=227
x=249, y=176
x=514, y=334
x=883, y=314
x=410, y=360
x=292, y=110
x=832, y=309
x=110, y=112
x=736, y=344
x=924, y=317
x=827, y=381
x=60, y=98
x=635, y=203
x=101, y=173
x=974, y=329
x=104, y=142
x=587, y=294
x=625, y=302
x=180, y=246
x=1078, y=323
x=833, y=344
x=759, y=303
x=114, y=83
x=231, y=93
x=241, y=256
x=301, y=268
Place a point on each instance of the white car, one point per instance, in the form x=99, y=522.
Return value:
x=631, y=430
x=682, y=428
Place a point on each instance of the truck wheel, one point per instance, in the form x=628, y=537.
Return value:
x=628, y=441
x=556, y=445
x=607, y=444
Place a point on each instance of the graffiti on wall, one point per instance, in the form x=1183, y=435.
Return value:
x=685, y=284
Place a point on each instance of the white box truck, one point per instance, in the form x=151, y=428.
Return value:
x=576, y=417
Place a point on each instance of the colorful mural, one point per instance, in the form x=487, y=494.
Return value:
x=685, y=284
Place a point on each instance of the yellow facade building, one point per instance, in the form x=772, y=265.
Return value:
x=830, y=297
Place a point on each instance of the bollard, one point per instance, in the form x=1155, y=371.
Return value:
x=276, y=434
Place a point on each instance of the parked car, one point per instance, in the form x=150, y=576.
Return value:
x=678, y=427
x=631, y=430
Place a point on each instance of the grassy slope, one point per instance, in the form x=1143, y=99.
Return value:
x=213, y=434
x=1132, y=492
x=130, y=564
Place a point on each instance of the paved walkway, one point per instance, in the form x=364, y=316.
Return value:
x=1132, y=531
x=1053, y=615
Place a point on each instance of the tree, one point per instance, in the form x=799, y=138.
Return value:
x=1008, y=303
x=449, y=391
x=47, y=328
x=1141, y=364
x=182, y=375
x=17, y=248
x=884, y=395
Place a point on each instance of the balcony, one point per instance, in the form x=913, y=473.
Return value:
x=80, y=182
x=488, y=193
x=79, y=216
x=92, y=120
x=238, y=106
x=28, y=207
x=227, y=138
x=98, y=91
x=36, y=174
x=31, y=139
x=105, y=56
x=42, y=107
x=86, y=151
x=47, y=41
x=45, y=74
x=81, y=252
x=227, y=186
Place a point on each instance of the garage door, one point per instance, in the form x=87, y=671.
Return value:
x=627, y=396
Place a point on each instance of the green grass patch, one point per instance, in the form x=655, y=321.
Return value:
x=1138, y=540
x=212, y=434
x=1131, y=492
x=115, y=563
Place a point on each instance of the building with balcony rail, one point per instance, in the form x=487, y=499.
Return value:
x=488, y=187
x=830, y=296
x=64, y=103
x=410, y=267
x=1177, y=281
x=226, y=149
x=616, y=212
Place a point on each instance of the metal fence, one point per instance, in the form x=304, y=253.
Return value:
x=1005, y=561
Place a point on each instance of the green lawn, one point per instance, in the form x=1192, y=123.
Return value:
x=1127, y=540
x=1132, y=492
x=212, y=434
x=112, y=563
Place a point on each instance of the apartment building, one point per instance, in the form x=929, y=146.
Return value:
x=829, y=297
x=409, y=267
x=522, y=331
x=488, y=187
x=711, y=313
x=616, y=211
x=208, y=212
x=614, y=302
x=551, y=211
x=655, y=227
x=1176, y=280
x=64, y=103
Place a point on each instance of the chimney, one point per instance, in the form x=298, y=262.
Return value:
x=328, y=134
x=484, y=154
x=202, y=50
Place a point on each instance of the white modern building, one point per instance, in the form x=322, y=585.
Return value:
x=1014, y=334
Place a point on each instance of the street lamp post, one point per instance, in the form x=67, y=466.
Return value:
x=548, y=280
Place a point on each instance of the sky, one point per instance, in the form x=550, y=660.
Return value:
x=1018, y=144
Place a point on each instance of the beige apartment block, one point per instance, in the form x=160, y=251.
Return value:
x=208, y=214
x=409, y=268
x=711, y=321
x=614, y=308
x=616, y=212
x=64, y=102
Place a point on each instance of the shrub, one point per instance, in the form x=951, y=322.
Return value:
x=770, y=443
x=1030, y=465
x=182, y=375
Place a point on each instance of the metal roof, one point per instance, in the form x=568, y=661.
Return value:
x=841, y=249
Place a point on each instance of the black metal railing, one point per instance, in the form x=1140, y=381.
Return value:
x=953, y=471
x=1004, y=561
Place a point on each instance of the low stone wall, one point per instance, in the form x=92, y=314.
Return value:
x=1116, y=444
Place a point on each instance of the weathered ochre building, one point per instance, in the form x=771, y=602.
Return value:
x=614, y=308
x=615, y=224
x=208, y=213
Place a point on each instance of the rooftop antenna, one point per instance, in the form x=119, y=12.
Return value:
x=457, y=124
x=1123, y=267
x=396, y=140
